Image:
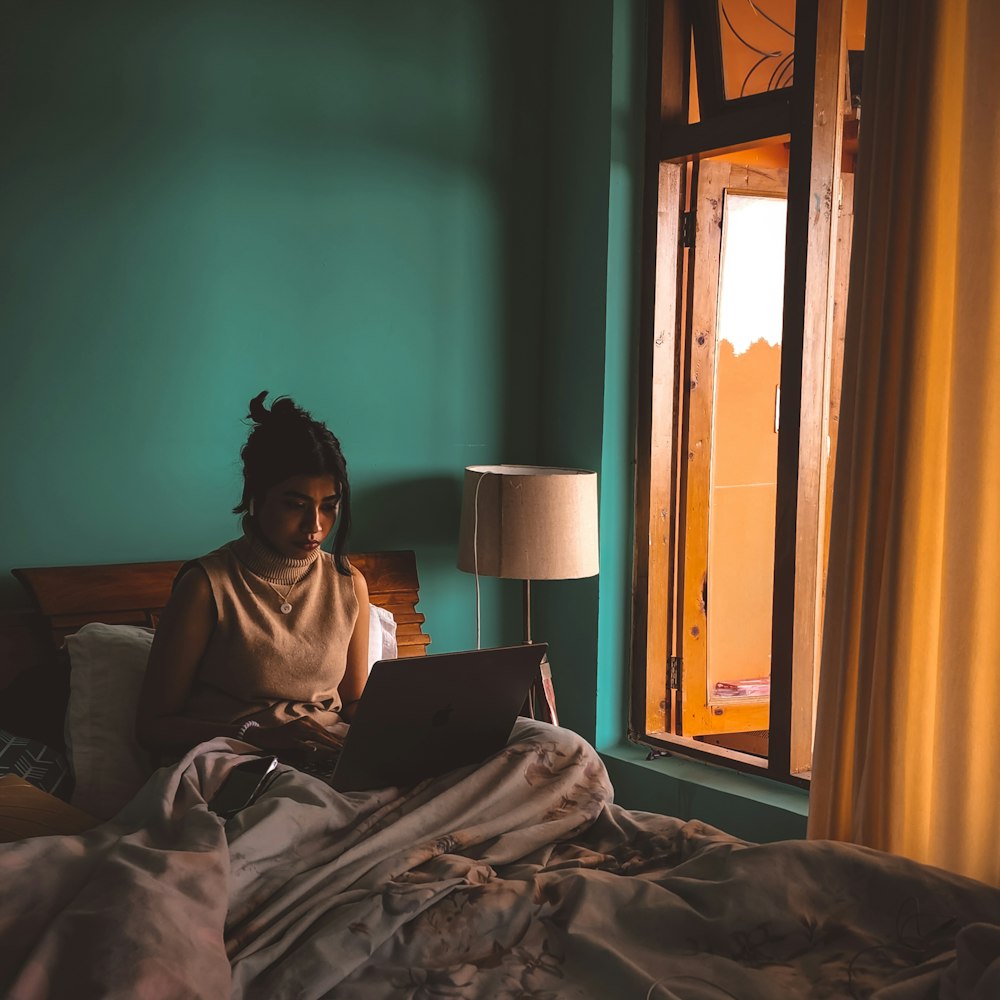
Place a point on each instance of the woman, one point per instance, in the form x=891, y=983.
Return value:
x=266, y=638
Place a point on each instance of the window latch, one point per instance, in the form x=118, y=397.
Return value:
x=687, y=229
x=674, y=673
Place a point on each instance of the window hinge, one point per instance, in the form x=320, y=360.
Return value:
x=674, y=673
x=687, y=229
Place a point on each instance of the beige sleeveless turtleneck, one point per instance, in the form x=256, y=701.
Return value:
x=263, y=664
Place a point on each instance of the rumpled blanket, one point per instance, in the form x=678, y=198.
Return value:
x=516, y=879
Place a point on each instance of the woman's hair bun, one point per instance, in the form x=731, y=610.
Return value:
x=283, y=411
x=258, y=411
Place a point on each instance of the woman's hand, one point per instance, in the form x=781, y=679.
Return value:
x=299, y=734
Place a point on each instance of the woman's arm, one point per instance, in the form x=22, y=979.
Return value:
x=356, y=675
x=179, y=644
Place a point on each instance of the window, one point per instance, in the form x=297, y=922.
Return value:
x=747, y=251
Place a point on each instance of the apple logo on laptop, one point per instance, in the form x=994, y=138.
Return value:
x=440, y=717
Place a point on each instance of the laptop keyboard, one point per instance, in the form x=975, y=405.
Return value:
x=320, y=764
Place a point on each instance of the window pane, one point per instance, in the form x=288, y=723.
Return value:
x=744, y=449
x=694, y=109
x=758, y=39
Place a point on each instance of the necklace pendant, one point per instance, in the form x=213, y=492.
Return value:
x=286, y=608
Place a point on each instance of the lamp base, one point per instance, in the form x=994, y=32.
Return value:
x=541, y=700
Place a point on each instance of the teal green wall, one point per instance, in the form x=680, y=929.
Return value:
x=591, y=326
x=587, y=415
x=572, y=400
x=336, y=201
x=420, y=220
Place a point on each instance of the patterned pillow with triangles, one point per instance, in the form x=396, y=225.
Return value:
x=38, y=764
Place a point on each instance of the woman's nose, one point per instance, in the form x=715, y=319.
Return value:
x=311, y=521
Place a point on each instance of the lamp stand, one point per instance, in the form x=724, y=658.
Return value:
x=541, y=703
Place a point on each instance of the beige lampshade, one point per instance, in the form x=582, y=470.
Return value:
x=528, y=522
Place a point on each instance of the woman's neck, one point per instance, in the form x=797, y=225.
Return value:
x=270, y=564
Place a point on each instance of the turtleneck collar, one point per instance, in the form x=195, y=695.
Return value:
x=270, y=565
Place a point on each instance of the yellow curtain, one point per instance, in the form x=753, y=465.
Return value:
x=907, y=750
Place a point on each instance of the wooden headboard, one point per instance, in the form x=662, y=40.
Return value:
x=34, y=677
x=135, y=594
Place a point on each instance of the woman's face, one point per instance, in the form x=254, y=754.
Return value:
x=298, y=513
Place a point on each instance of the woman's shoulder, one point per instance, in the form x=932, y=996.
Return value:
x=356, y=582
x=360, y=583
x=329, y=565
x=223, y=554
x=330, y=562
x=218, y=559
x=192, y=582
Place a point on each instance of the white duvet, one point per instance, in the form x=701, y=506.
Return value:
x=519, y=878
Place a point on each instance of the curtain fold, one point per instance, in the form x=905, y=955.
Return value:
x=907, y=749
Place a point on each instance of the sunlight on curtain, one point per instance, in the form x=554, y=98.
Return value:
x=907, y=753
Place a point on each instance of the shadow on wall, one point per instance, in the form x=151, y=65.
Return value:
x=423, y=513
x=408, y=513
x=419, y=513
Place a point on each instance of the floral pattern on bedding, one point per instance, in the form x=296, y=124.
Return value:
x=517, y=879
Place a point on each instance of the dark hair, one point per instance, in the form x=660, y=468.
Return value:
x=286, y=442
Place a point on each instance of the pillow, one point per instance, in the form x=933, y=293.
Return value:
x=36, y=763
x=381, y=636
x=107, y=663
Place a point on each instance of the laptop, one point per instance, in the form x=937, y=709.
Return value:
x=422, y=716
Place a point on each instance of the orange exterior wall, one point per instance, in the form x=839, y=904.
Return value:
x=741, y=532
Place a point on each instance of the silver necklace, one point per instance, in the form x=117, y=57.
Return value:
x=286, y=607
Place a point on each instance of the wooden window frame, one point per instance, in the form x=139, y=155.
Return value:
x=802, y=113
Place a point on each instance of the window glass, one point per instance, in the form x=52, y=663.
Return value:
x=744, y=448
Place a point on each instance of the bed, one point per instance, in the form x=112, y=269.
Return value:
x=520, y=878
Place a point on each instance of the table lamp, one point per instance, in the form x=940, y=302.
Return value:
x=528, y=522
